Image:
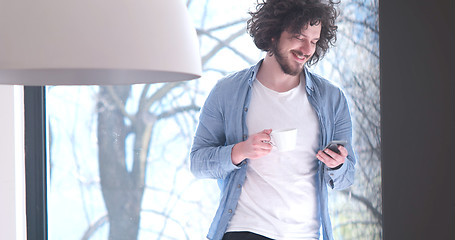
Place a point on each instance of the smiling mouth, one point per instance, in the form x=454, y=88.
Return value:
x=299, y=55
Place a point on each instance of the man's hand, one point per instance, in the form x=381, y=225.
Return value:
x=331, y=158
x=256, y=146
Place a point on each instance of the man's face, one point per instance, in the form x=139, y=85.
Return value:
x=293, y=50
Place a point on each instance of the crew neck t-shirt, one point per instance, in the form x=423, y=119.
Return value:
x=279, y=198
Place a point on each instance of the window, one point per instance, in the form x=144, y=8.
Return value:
x=118, y=155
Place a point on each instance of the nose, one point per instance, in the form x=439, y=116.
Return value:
x=307, y=48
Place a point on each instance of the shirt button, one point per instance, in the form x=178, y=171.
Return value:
x=246, y=109
x=230, y=210
x=239, y=186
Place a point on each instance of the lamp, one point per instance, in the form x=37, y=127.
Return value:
x=103, y=42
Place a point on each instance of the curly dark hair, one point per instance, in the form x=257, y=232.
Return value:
x=272, y=17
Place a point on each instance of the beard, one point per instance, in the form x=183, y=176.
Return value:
x=287, y=66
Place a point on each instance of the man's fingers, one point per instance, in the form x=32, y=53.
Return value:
x=261, y=149
x=331, y=153
x=261, y=137
x=265, y=145
x=324, y=158
x=330, y=158
x=343, y=150
x=337, y=156
x=267, y=131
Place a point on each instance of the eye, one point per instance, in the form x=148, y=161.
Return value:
x=298, y=37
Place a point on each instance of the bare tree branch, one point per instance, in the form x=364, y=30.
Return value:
x=118, y=103
x=222, y=44
x=363, y=23
x=222, y=72
x=361, y=45
x=355, y=223
x=143, y=98
x=177, y=110
x=366, y=202
x=94, y=227
x=168, y=217
x=227, y=25
x=160, y=93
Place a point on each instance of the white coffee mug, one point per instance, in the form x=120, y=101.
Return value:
x=284, y=140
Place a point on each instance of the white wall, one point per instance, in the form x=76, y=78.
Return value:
x=12, y=177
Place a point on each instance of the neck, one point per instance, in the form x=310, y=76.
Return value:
x=272, y=76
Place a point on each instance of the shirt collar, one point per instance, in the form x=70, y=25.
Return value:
x=254, y=72
x=308, y=79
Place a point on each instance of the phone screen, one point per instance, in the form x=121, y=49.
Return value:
x=333, y=145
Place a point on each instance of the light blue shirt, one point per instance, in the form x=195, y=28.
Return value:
x=222, y=124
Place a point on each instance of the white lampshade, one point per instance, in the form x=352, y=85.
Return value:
x=104, y=42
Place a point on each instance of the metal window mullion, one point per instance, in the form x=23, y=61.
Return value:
x=35, y=162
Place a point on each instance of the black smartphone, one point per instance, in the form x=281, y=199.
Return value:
x=333, y=145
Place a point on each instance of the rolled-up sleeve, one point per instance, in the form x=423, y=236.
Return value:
x=210, y=156
x=342, y=177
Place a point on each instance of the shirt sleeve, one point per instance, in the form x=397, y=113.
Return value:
x=210, y=156
x=342, y=177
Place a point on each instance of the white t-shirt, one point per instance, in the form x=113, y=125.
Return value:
x=279, y=198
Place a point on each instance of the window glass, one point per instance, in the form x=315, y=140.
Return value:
x=118, y=155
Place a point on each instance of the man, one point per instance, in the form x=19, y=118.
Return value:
x=268, y=194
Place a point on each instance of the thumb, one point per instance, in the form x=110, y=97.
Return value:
x=267, y=131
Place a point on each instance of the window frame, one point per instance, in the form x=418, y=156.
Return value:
x=35, y=162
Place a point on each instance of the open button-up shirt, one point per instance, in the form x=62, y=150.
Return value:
x=222, y=124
